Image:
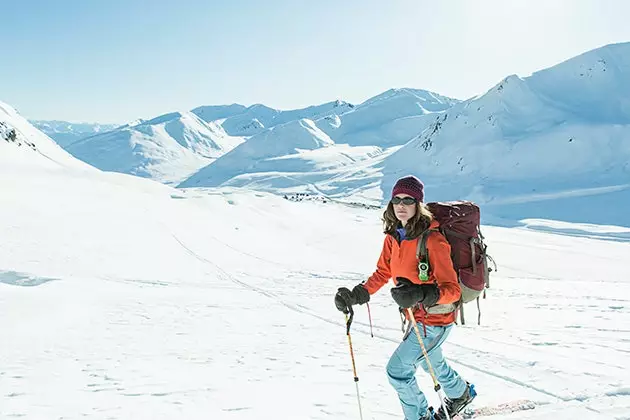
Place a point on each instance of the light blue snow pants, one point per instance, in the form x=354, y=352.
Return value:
x=403, y=364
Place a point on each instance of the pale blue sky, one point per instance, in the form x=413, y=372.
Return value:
x=118, y=60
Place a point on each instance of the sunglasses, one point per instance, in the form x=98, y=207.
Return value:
x=407, y=201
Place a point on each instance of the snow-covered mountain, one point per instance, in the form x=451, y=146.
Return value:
x=172, y=147
x=167, y=148
x=305, y=151
x=555, y=144
x=65, y=133
x=24, y=146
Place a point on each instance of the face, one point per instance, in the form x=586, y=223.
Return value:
x=405, y=209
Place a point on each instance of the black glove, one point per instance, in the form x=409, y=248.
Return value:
x=345, y=298
x=406, y=294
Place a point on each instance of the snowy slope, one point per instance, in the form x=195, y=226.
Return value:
x=65, y=133
x=22, y=145
x=265, y=151
x=287, y=155
x=124, y=298
x=561, y=132
x=167, y=148
x=321, y=171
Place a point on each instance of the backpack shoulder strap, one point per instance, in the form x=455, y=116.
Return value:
x=422, y=251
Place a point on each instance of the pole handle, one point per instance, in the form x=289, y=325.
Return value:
x=349, y=319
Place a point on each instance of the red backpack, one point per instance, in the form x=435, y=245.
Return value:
x=460, y=225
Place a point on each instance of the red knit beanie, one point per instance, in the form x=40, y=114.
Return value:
x=409, y=185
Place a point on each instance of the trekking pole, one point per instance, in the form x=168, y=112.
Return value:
x=354, y=368
x=436, y=385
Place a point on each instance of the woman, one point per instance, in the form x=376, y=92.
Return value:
x=405, y=219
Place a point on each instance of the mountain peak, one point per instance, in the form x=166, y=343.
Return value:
x=164, y=118
x=416, y=94
x=218, y=112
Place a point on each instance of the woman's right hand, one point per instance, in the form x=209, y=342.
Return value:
x=344, y=298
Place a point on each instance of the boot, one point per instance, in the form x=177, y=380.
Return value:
x=456, y=405
x=429, y=415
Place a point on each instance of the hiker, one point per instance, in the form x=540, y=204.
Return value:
x=405, y=219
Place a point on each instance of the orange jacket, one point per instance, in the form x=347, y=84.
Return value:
x=399, y=260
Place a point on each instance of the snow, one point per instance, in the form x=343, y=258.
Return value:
x=582, y=229
x=588, y=80
x=125, y=298
x=168, y=148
